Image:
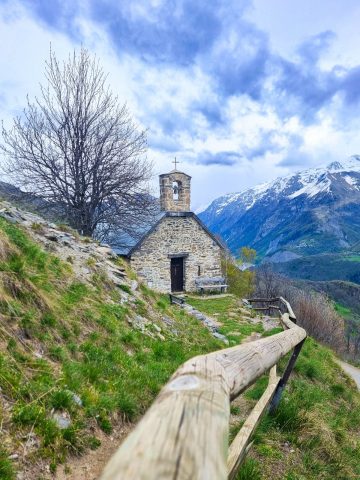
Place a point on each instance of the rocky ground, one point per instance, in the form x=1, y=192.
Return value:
x=209, y=322
x=82, y=252
x=87, y=257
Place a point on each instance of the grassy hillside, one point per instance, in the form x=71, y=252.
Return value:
x=80, y=356
x=315, y=432
x=346, y=303
x=76, y=356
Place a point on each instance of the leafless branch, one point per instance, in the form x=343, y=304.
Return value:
x=77, y=147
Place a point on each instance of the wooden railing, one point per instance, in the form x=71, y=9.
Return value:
x=184, y=434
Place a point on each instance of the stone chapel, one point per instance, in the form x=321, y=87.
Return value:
x=178, y=248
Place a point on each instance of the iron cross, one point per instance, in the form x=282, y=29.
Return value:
x=176, y=162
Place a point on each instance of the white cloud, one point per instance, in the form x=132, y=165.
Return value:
x=182, y=106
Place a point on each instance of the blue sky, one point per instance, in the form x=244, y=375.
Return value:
x=239, y=91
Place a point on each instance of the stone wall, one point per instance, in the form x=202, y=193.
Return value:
x=176, y=235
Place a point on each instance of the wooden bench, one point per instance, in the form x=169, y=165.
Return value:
x=208, y=283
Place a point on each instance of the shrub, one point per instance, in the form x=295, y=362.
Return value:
x=104, y=423
x=62, y=399
x=314, y=311
x=240, y=283
x=37, y=227
x=48, y=320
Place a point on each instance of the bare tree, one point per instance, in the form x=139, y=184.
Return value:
x=75, y=146
x=266, y=281
x=314, y=310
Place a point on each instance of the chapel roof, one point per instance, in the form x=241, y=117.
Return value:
x=174, y=171
x=124, y=242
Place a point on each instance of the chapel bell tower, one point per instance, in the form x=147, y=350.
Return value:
x=175, y=191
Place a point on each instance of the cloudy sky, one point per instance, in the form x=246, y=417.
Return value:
x=240, y=91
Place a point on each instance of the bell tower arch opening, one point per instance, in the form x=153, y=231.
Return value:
x=177, y=191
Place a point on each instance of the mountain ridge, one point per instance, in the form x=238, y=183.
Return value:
x=350, y=164
x=311, y=212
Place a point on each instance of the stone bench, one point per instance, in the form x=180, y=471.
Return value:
x=210, y=283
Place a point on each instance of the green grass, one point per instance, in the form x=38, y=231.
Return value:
x=6, y=469
x=318, y=418
x=125, y=288
x=76, y=353
x=250, y=470
x=221, y=305
x=227, y=311
x=344, y=311
x=258, y=389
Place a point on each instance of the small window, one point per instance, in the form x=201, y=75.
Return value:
x=199, y=270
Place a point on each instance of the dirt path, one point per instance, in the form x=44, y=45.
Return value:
x=90, y=466
x=354, y=372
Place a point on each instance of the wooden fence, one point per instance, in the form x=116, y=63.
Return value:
x=184, y=434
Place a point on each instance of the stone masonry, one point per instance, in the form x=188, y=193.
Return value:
x=177, y=234
x=175, y=192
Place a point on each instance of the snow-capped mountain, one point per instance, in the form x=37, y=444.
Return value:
x=306, y=213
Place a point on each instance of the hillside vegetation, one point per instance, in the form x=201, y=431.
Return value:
x=77, y=356
x=315, y=432
x=343, y=293
x=322, y=308
x=83, y=351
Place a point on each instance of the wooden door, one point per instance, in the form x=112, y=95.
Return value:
x=177, y=274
